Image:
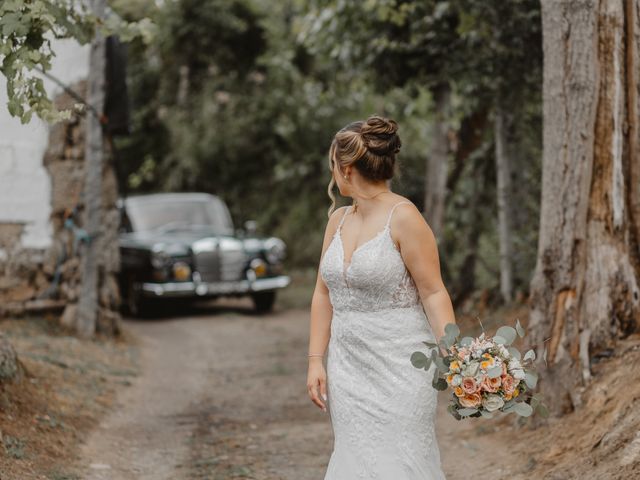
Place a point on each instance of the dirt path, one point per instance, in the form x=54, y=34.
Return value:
x=222, y=395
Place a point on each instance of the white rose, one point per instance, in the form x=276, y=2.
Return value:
x=517, y=373
x=456, y=380
x=491, y=403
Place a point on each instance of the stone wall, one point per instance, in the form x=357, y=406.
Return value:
x=50, y=278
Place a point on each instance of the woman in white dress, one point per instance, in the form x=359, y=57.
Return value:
x=379, y=273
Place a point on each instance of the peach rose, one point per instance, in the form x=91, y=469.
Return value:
x=490, y=384
x=509, y=384
x=470, y=400
x=458, y=391
x=469, y=385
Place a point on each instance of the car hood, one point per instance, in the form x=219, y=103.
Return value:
x=146, y=240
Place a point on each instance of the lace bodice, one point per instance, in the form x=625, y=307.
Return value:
x=376, y=277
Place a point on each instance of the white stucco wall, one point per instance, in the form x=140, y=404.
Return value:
x=25, y=187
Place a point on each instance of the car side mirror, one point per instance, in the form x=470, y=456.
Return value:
x=250, y=227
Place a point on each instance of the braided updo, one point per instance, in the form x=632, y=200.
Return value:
x=369, y=146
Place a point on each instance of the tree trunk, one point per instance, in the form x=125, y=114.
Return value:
x=437, y=160
x=94, y=152
x=584, y=293
x=504, y=193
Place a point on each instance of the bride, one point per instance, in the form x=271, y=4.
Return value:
x=379, y=273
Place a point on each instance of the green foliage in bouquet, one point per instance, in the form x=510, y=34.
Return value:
x=486, y=374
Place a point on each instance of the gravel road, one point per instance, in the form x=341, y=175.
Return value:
x=221, y=395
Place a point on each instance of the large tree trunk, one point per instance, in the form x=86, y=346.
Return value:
x=584, y=292
x=94, y=153
x=504, y=193
x=437, y=161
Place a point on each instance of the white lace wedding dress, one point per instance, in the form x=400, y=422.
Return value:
x=382, y=408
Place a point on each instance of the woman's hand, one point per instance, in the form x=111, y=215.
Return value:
x=317, y=382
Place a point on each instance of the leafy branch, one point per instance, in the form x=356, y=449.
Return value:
x=27, y=29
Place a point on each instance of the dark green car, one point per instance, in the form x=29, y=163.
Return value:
x=184, y=245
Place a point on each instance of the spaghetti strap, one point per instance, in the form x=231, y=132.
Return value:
x=346, y=210
x=392, y=209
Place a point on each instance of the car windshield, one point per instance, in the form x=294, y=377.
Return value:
x=167, y=215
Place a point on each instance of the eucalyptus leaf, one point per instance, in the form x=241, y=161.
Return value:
x=430, y=344
x=499, y=340
x=523, y=409
x=466, y=341
x=452, y=330
x=441, y=365
x=494, y=372
x=535, y=401
x=508, y=333
x=486, y=414
x=531, y=379
x=515, y=353
x=519, y=329
x=543, y=410
x=465, y=412
x=434, y=355
x=441, y=385
x=447, y=340
x=420, y=360
x=530, y=355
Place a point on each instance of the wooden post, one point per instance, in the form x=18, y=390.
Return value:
x=94, y=152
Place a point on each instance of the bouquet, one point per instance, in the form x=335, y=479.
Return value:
x=485, y=374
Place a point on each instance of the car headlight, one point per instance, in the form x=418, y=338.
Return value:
x=162, y=254
x=275, y=250
x=159, y=258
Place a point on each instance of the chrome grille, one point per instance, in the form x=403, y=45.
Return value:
x=220, y=260
x=207, y=264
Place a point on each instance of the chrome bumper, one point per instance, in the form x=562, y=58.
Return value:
x=202, y=289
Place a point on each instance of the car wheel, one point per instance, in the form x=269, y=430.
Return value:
x=263, y=301
x=137, y=305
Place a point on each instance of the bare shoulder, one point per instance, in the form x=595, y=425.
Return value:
x=406, y=213
x=408, y=222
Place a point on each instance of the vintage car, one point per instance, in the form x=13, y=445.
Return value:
x=184, y=245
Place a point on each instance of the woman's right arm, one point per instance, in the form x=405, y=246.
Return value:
x=320, y=323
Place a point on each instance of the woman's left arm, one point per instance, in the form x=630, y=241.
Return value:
x=419, y=251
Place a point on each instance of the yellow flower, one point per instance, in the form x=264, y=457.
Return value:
x=516, y=392
x=454, y=366
x=489, y=362
x=508, y=397
x=458, y=391
x=449, y=378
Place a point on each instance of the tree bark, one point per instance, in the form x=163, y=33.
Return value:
x=584, y=293
x=504, y=193
x=94, y=153
x=437, y=161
